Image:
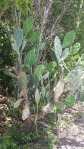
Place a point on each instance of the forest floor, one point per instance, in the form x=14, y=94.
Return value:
x=70, y=134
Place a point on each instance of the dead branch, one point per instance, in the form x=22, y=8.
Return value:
x=44, y=18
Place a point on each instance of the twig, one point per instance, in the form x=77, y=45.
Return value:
x=44, y=18
x=65, y=8
x=2, y=12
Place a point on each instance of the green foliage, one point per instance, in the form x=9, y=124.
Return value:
x=58, y=54
x=51, y=68
x=65, y=54
x=28, y=24
x=18, y=36
x=70, y=100
x=40, y=46
x=17, y=135
x=71, y=50
x=6, y=143
x=75, y=78
x=23, y=45
x=24, y=6
x=69, y=19
x=75, y=48
x=53, y=55
x=39, y=75
x=81, y=60
x=6, y=59
x=34, y=80
x=68, y=39
x=39, y=70
x=14, y=45
x=58, y=48
x=37, y=96
x=42, y=75
x=9, y=73
x=33, y=36
x=30, y=58
x=43, y=91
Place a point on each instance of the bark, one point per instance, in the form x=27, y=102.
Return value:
x=44, y=18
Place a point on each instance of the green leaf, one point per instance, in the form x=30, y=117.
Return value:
x=74, y=79
x=81, y=61
x=65, y=53
x=23, y=45
x=57, y=48
x=18, y=36
x=70, y=100
x=75, y=48
x=7, y=72
x=37, y=96
x=33, y=80
x=40, y=46
x=39, y=70
x=68, y=39
x=33, y=36
x=36, y=81
x=14, y=46
x=75, y=73
x=43, y=91
x=28, y=24
x=30, y=58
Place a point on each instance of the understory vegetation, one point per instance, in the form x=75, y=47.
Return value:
x=41, y=69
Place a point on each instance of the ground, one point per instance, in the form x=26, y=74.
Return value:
x=69, y=134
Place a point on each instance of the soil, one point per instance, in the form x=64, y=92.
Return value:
x=71, y=132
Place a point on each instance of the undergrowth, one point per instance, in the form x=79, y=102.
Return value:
x=15, y=138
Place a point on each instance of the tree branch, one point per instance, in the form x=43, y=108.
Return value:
x=65, y=8
x=44, y=18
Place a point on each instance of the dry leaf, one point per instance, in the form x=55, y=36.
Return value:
x=22, y=92
x=25, y=112
x=59, y=89
x=17, y=103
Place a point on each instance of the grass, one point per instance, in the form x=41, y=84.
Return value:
x=17, y=139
